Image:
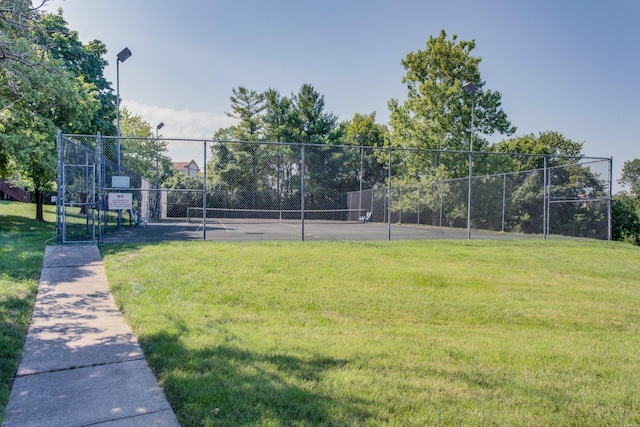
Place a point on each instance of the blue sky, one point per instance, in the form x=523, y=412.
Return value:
x=563, y=65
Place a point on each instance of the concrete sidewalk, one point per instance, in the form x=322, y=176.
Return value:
x=81, y=364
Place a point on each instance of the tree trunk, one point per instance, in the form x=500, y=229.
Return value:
x=39, y=206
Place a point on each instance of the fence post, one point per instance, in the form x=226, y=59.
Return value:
x=389, y=195
x=302, y=192
x=418, y=204
x=361, y=163
x=609, y=214
x=204, y=196
x=59, y=191
x=441, y=188
x=98, y=196
x=545, y=202
x=469, y=189
x=504, y=198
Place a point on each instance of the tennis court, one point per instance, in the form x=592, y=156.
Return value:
x=256, y=229
x=299, y=192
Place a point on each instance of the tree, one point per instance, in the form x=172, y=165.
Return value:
x=363, y=130
x=246, y=107
x=571, y=185
x=42, y=91
x=17, y=53
x=259, y=174
x=56, y=101
x=631, y=176
x=141, y=152
x=84, y=61
x=279, y=117
x=437, y=113
x=556, y=147
x=17, y=46
x=243, y=166
x=313, y=124
x=625, y=211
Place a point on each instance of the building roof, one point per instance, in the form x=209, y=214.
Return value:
x=183, y=165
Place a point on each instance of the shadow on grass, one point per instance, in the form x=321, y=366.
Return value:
x=230, y=386
x=15, y=223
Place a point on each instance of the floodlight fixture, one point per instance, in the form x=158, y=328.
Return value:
x=469, y=88
x=124, y=54
x=160, y=126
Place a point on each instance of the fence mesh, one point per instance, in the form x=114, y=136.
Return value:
x=137, y=189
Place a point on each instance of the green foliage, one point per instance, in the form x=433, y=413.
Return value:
x=86, y=62
x=246, y=107
x=140, y=151
x=567, y=180
x=394, y=333
x=49, y=81
x=631, y=176
x=253, y=172
x=363, y=130
x=54, y=100
x=555, y=146
x=625, y=211
x=437, y=113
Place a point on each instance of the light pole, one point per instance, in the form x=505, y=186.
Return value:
x=160, y=126
x=156, y=214
x=122, y=56
x=470, y=89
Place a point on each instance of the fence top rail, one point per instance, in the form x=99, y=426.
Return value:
x=341, y=146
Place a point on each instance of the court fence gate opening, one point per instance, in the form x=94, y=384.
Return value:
x=130, y=190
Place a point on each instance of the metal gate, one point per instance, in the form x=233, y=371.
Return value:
x=77, y=215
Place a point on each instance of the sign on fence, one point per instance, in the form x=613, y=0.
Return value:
x=120, y=201
x=120, y=181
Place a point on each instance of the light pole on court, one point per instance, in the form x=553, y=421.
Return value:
x=122, y=56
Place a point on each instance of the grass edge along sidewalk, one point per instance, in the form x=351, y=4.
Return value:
x=22, y=243
x=387, y=333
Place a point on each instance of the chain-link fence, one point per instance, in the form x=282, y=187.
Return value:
x=137, y=189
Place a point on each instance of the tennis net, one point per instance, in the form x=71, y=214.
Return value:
x=257, y=216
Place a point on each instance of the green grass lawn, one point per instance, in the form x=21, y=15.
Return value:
x=22, y=243
x=373, y=333
x=388, y=333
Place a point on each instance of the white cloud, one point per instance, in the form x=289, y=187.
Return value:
x=180, y=123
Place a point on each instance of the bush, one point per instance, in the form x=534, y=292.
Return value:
x=625, y=211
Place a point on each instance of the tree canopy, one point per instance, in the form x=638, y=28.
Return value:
x=437, y=113
x=631, y=176
x=40, y=93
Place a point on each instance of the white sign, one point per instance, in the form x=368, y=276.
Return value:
x=120, y=201
x=120, y=181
